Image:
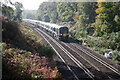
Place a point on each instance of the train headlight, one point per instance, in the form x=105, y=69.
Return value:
x=64, y=35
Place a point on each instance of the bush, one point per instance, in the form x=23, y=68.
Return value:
x=47, y=51
x=81, y=33
x=112, y=40
x=24, y=63
x=115, y=56
x=18, y=62
x=22, y=36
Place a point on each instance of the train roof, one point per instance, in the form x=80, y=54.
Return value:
x=45, y=23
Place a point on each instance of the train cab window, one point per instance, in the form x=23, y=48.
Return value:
x=48, y=27
x=54, y=29
x=63, y=30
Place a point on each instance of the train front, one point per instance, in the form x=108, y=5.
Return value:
x=63, y=33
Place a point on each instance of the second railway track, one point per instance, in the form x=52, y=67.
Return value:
x=105, y=69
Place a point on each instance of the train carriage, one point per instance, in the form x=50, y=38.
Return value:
x=61, y=32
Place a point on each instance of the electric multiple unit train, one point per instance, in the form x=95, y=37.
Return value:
x=61, y=32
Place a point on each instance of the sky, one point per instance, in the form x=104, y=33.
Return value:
x=30, y=4
x=33, y=4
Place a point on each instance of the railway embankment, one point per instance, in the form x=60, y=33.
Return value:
x=105, y=44
x=24, y=56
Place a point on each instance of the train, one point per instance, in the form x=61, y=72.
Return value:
x=60, y=32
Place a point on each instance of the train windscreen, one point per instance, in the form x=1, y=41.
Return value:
x=63, y=30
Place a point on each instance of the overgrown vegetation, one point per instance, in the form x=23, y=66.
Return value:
x=25, y=65
x=22, y=36
x=24, y=54
x=47, y=12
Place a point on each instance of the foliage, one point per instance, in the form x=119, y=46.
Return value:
x=19, y=39
x=10, y=13
x=46, y=18
x=81, y=33
x=101, y=20
x=108, y=18
x=48, y=51
x=86, y=13
x=81, y=13
x=26, y=64
x=112, y=40
x=66, y=11
x=47, y=12
x=22, y=36
x=18, y=11
x=106, y=44
x=116, y=56
x=7, y=11
x=29, y=14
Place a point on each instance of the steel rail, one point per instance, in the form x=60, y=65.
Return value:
x=78, y=63
x=59, y=56
x=97, y=59
x=82, y=57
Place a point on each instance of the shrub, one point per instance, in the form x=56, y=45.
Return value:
x=47, y=51
x=112, y=40
x=115, y=56
x=26, y=63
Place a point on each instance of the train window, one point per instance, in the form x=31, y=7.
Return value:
x=48, y=26
x=51, y=28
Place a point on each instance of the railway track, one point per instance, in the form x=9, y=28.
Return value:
x=74, y=55
x=98, y=59
x=78, y=63
x=96, y=62
x=59, y=56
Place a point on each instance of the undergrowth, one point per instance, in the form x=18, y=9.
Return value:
x=20, y=35
x=24, y=54
x=25, y=65
x=104, y=44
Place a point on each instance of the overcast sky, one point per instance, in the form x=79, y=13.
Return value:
x=30, y=4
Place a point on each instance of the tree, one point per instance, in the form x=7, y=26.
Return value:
x=18, y=11
x=47, y=10
x=66, y=11
x=86, y=13
x=46, y=18
x=10, y=13
x=29, y=14
x=7, y=10
x=107, y=19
